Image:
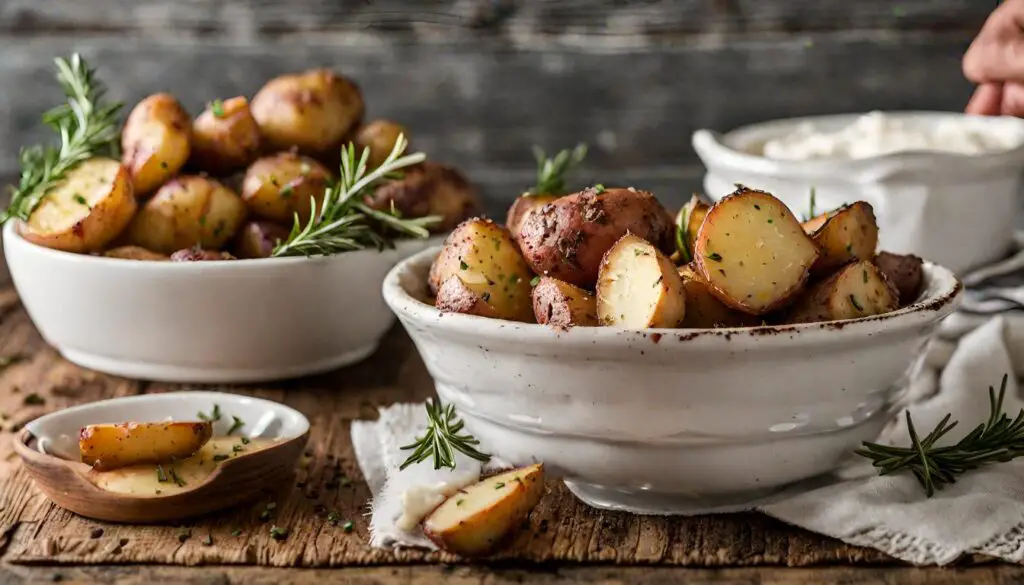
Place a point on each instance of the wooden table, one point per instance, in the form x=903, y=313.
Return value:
x=565, y=543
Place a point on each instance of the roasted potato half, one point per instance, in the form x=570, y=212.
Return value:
x=480, y=272
x=687, y=223
x=753, y=252
x=188, y=211
x=857, y=290
x=845, y=235
x=523, y=206
x=156, y=142
x=135, y=253
x=279, y=186
x=380, y=137
x=85, y=211
x=110, y=446
x=904, y=271
x=429, y=189
x=225, y=137
x=567, y=238
x=476, y=519
x=312, y=111
x=639, y=287
x=704, y=310
x=257, y=239
x=562, y=305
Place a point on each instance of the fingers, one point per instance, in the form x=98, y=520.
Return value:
x=1013, y=100
x=986, y=101
x=997, y=54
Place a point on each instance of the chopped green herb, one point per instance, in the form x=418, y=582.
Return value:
x=486, y=296
x=459, y=502
x=237, y=448
x=657, y=282
x=499, y=485
x=856, y=305
x=245, y=440
x=849, y=248
x=497, y=244
x=176, y=478
x=286, y=191
x=865, y=277
x=599, y=188
x=161, y=475
x=348, y=526
x=535, y=281
x=202, y=220
x=236, y=532
x=757, y=207
x=333, y=518
x=34, y=399
x=208, y=541
x=9, y=360
x=235, y=425
x=163, y=165
x=182, y=537
x=278, y=533
x=771, y=220
x=80, y=200
x=265, y=515
x=212, y=417
x=217, y=107
x=514, y=279
x=714, y=256
x=463, y=265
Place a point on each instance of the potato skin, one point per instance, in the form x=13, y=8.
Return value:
x=200, y=255
x=562, y=305
x=380, y=137
x=524, y=205
x=904, y=271
x=188, y=211
x=84, y=212
x=111, y=446
x=845, y=235
x=429, y=189
x=228, y=141
x=156, y=141
x=856, y=290
x=639, y=287
x=277, y=187
x=312, y=111
x=135, y=253
x=567, y=238
x=256, y=239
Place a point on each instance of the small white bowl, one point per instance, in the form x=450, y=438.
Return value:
x=237, y=321
x=678, y=421
x=956, y=210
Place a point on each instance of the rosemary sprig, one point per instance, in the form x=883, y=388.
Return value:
x=552, y=172
x=811, y=211
x=997, y=440
x=87, y=128
x=343, y=222
x=442, y=439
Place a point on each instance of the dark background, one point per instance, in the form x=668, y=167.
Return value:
x=478, y=82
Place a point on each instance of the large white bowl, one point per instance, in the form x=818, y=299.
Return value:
x=956, y=210
x=671, y=420
x=206, y=322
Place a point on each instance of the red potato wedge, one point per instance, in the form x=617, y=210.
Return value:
x=85, y=211
x=562, y=305
x=639, y=287
x=687, y=223
x=110, y=446
x=476, y=519
x=156, y=141
x=426, y=189
x=904, y=271
x=845, y=235
x=704, y=310
x=856, y=290
x=753, y=253
x=225, y=137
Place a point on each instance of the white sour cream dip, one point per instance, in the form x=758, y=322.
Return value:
x=420, y=500
x=876, y=134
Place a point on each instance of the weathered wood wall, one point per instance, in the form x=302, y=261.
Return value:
x=479, y=81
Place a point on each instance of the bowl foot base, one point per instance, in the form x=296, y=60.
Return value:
x=212, y=374
x=650, y=503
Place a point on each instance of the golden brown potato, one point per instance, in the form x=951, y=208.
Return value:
x=639, y=287
x=904, y=271
x=257, y=239
x=563, y=305
x=155, y=141
x=567, y=238
x=491, y=279
x=110, y=446
x=845, y=235
x=186, y=212
x=135, y=253
x=279, y=186
x=312, y=111
x=524, y=205
x=687, y=223
x=225, y=137
x=704, y=310
x=753, y=253
x=857, y=290
x=85, y=211
x=200, y=255
x=479, y=517
x=380, y=137
x=429, y=189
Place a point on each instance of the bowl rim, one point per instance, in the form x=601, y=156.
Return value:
x=930, y=309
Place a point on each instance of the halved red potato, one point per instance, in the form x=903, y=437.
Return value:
x=156, y=141
x=563, y=305
x=109, y=446
x=639, y=287
x=844, y=235
x=856, y=290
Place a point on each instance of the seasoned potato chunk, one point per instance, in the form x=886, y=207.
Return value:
x=638, y=287
x=155, y=141
x=523, y=206
x=845, y=235
x=704, y=310
x=187, y=212
x=904, y=271
x=312, y=111
x=491, y=277
x=257, y=239
x=380, y=137
x=110, y=446
x=429, y=189
x=85, y=211
x=687, y=223
x=135, y=253
x=225, y=137
x=279, y=186
x=563, y=305
x=857, y=290
x=752, y=252
x=476, y=519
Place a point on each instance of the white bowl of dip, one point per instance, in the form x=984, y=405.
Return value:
x=944, y=186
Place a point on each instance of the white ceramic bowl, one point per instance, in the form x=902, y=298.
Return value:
x=207, y=322
x=955, y=210
x=671, y=420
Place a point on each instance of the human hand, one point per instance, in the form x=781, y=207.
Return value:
x=995, y=61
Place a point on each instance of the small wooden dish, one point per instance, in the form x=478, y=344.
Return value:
x=239, y=479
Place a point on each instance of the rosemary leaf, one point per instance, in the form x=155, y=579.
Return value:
x=442, y=439
x=552, y=172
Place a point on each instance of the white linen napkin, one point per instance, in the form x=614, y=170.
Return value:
x=981, y=513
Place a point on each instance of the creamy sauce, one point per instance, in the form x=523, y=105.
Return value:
x=179, y=476
x=420, y=500
x=877, y=134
